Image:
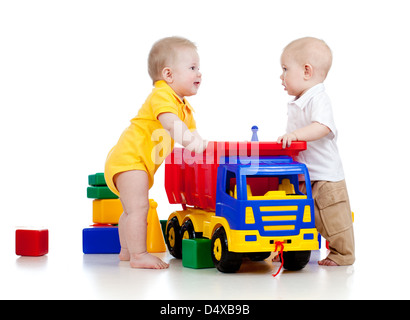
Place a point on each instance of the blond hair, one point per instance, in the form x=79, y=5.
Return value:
x=163, y=53
x=313, y=51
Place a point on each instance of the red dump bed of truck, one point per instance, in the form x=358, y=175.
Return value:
x=190, y=179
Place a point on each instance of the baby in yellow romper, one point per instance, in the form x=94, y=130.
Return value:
x=165, y=117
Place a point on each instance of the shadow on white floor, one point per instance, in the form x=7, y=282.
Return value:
x=105, y=277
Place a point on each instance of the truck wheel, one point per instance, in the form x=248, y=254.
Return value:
x=295, y=260
x=173, y=238
x=224, y=260
x=187, y=230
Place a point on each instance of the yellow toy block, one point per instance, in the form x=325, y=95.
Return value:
x=107, y=211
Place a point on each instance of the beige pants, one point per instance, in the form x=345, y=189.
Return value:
x=333, y=219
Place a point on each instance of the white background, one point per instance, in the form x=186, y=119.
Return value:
x=73, y=73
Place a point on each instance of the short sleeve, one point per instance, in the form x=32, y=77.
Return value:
x=322, y=112
x=163, y=101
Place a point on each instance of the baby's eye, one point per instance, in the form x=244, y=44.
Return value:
x=192, y=68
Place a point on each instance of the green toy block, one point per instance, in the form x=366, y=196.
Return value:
x=100, y=193
x=163, y=226
x=196, y=253
x=96, y=179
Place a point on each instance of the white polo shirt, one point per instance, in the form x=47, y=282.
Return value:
x=322, y=156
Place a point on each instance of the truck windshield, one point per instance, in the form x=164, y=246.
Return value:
x=272, y=187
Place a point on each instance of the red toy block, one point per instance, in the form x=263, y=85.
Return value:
x=31, y=242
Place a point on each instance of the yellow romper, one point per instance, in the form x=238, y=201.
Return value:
x=145, y=143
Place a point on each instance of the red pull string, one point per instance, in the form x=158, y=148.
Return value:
x=279, y=243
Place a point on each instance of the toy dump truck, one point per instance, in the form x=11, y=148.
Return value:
x=245, y=197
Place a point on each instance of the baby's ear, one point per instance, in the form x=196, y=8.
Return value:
x=308, y=71
x=167, y=75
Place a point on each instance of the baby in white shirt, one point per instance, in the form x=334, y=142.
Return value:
x=305, y=65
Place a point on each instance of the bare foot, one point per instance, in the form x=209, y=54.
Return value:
x=327, y=262
x=124, y=255
x=147, y=261
x=276, y=258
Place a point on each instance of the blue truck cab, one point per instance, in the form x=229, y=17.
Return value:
x=262, y=205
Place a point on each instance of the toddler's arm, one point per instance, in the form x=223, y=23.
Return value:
x=181, y=134
x=312, y=132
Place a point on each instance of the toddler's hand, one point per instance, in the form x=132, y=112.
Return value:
x=201, y=146
x=287, y=139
